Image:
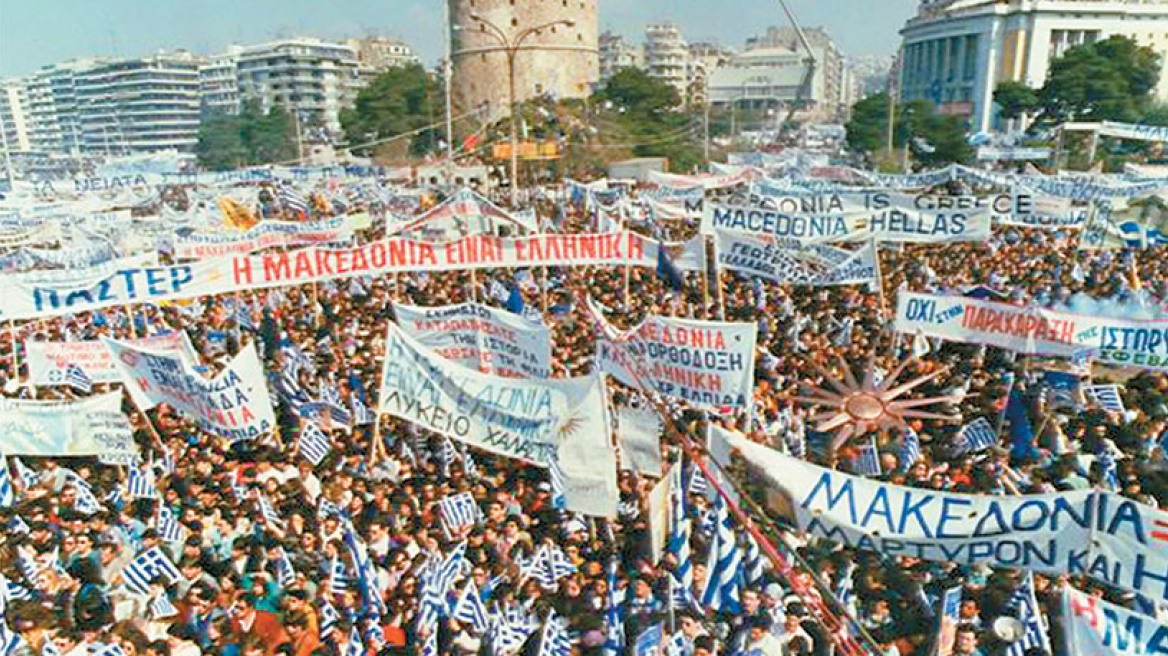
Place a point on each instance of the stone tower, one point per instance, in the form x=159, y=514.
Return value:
x=562, y=60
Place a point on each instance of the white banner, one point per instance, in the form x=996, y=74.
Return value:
x=1005, y=153
x=707, y=363
x=94, y=426
x=265, y=234
x=856, y=216
x=1030, y=209
x=484, y=338
x=1103, y=535
x=1035, y=331
x=586, y=456
x=517, y=418
x=233, y=405
x=21, y=298
x=93, y=357
x=1133, y=131
x=790, y=261
x=1095, y=626
x=638, y=431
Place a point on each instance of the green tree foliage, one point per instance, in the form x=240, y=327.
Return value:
x=399, y=101
x=1015, y=99
x=1104, y=80
x=935, y=139
x=645, y=113
x=249, y=138
x=640, y=95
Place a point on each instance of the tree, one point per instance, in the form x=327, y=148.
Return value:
x=639, y=94
x=935, y=139
x=1015, y=99
x=399, y=101
x=1110, y=79
x=867, y=129
x=644, y=117
x=247, y=139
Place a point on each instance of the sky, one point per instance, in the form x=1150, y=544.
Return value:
x=34, y=33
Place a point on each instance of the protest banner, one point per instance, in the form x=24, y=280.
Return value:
x=233, y=405
x=781, y=260
x=659, y=517
x=1096, y=626
x=1035, y=331
x=639, y=435
x=1012, y=154
x=265, y=234
x=481, y=337
x=585, y=453
x=708, y=363
x=130, y=285
x=1030, y=209
x=93, y=357
x=707, y=181
x=517, y=418
x=1102, y=535
x=1133, y=131
x=856, y=216
x=93, y=426
x=947, y=621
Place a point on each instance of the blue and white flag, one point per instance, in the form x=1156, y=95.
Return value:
x=1109, y=470
x=470, y=610
x=141, y=483
x=867, y=461
x=285, y=574
x=314, y=443
x=682, y=594
x=459, y=511
x=910, y=449
x=361, y=414
x=558, y=482
x=977, y=436
x=168, y=527
x=268, y=512
x=73, y=376
x=328, y=619
x=756, y=563
x=614, y=628
x=724, y=568
x=354, y=647
x=554, y=641
x=149, y=565
x=7, y=489
x=1106, y=396
x=161, y=607
x=1024, y=606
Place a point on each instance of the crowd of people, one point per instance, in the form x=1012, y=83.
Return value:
x=249, y=586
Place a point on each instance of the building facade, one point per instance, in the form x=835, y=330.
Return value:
x=616, y=53
x=309, y=78
x=219, y=84
x=14, y=134
x=563, y=60
x=378, y=54
x=954, y=53
x=667, y=56
x=53, y=125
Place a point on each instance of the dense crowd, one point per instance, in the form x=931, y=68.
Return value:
x=235, y=597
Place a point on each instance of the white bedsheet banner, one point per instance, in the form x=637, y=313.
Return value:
x=481, y=337
x=93, y=357
x=1096, y=626
x=94, y=426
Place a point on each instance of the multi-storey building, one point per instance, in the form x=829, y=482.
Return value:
x=52, y=107
x=667, y=56
x=14, y=134
x=310, y=78
x=616, y=53
x=219, y=84
x=955, y=52
x=140, y=105
x=702, y=60
x=378, y=54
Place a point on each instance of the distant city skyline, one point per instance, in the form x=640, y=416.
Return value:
x=33, y=35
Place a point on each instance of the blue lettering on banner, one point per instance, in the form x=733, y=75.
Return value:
x=121, y=287
x=782, y=225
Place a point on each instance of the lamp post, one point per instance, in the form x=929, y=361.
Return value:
x=510, y=47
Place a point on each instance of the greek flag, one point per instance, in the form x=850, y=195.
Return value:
x=7, y=490
x=756, y=563
x=430, y=647
x=140, y=484
x=366, y=574
x=285, y=574
x=243, y=317
x=1024, y=606
x=271, y=517
x=614, y=628
x=15, y=591
x=677, y=645
x=34, y=571
x=459, y=511
x=361, y=414
x=354, y=647
x=138, y=573
x=512, y=629
x=910, y=449
x=292, y=200
x=168, y=527
x=558, y=482
x=1109, y=470
x=470, y=609
x=23, y=474
x=679, y=536
x=554, y=640
x=845, y=587
x=10, y=641
x=867, y=462
x=451, y=565
x=111, y=649
x=86, y=502
x=374, y=634
x=977, y=435
x=724, y=566
x=161, y=606
x=314, y=443
x=697, y=481
x=920, y=345
x=73, y=376
x=1106, y=396
x=328, y=619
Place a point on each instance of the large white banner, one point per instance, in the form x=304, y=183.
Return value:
x=1133, y=131
x=48, y=360
x=481, y=337
x=265, y=234
x=1035, y=331
x=707, y=363
x=24, y=298
x=804, y=264
x=856, y=216
x=639, y=434
x=233, y=405
x=1030, y=209
x=1103, y=535
x=586, y=455
x=1095, y=626
x=518, y=418
x=94, y=426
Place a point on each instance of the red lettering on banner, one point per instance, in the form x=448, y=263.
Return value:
x=449, y=249
x=322, y=262
x=537, y=253
x=277, y=266
x=636, y=247
x=246, y=414
x=378, y=256
x=554, y=253
x=241, y=266
x=1086, y=605
x=470, y=248
x=397, y=252
x=569, y=248
x=588, y=247
x=520, y=250
x=303, y=265
x=342, y=264
x=426, y=254
x=360, y=262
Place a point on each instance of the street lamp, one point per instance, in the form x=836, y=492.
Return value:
x=511, y=47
